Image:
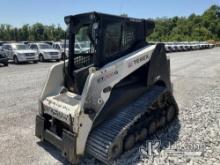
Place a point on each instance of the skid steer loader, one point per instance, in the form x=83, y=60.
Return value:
x=104, y=100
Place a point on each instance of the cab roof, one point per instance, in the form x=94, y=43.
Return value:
x=94, y=14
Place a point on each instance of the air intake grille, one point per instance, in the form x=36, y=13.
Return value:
x=53, y=53
x=29, y=54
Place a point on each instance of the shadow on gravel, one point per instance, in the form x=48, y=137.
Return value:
x=2, y=66
x=53, y=152
x=21, y=63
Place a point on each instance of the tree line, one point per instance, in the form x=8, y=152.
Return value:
x=35, y=32
x=195, y=27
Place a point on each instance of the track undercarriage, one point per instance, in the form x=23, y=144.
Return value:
x=132, y=124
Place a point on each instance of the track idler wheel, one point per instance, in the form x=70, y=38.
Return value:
x=162, y=121
x=161, y=102
x=129, y=142
x=143, y=134
x=116, y=150
x=152, y=127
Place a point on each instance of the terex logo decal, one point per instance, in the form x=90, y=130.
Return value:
x=137, y=61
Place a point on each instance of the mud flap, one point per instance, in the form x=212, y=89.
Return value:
x=66, y=143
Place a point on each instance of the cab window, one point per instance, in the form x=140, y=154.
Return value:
x=56, y=46
x=33, y=47
x=7, y=47
x=119, y=37
x=4, y=47
x=112, y=39
x=128, y=36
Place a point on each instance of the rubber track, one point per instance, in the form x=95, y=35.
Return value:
x=103, y=136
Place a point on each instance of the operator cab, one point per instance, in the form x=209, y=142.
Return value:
x=96, y=39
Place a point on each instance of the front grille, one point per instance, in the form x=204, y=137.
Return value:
x=53, y=53
x=29, y=54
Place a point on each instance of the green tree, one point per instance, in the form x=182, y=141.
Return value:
x=195, y=27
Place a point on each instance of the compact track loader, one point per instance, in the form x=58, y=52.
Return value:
x=111, y=95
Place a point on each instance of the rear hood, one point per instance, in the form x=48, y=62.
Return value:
x=25, y=51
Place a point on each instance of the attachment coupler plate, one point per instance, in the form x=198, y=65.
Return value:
x=66, y=143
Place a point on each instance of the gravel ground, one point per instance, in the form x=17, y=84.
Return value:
x=196, y=87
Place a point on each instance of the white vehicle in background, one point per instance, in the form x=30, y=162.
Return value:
x=19, y=52
x=45, y=51
x=189, y=46
x=211, y=45
x=168, y=48
x=206, y=44
x=203, y=45
x=186, y=47
x=180, y=47
x=195, y=46
x=82, y=47
x=173, y=48
x=166, y=45
x=60, y=46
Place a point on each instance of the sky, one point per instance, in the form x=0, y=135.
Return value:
x=19, y=12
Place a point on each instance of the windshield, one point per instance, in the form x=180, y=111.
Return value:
x=83, y=42
x=19, y=47
x=44, y=46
